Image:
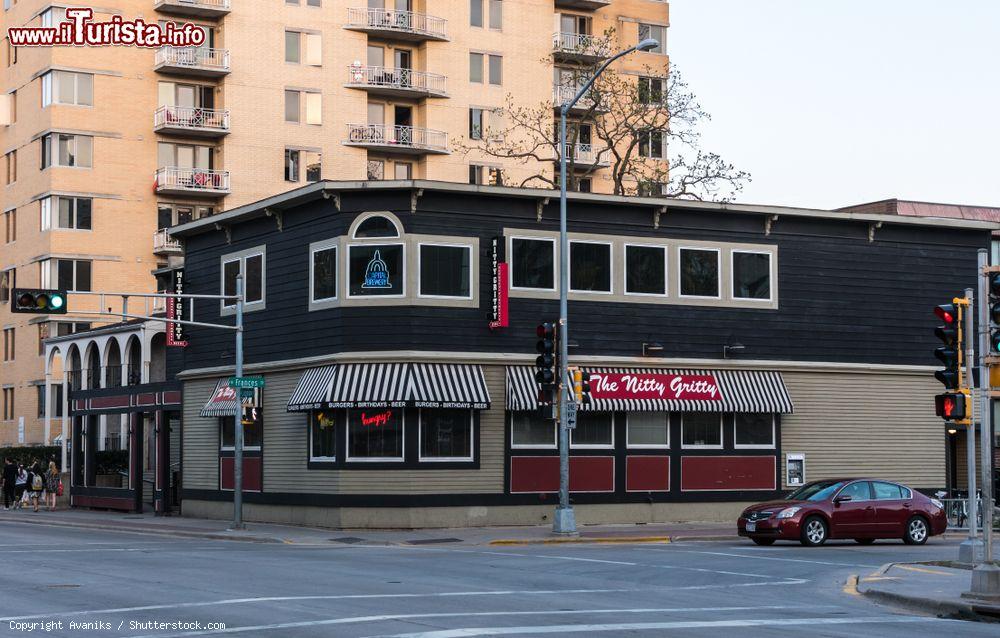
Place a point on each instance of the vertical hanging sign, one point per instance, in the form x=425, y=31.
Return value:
x=498, y=316
x=175, y=310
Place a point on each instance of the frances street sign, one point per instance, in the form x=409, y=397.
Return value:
x=246, y=382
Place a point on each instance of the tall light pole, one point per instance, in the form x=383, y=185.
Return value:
x=565, y=520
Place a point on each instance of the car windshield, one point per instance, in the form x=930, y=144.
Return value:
x=819, y=491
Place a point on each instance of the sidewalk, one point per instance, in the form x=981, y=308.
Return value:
x=935, y=588
x=268, y=533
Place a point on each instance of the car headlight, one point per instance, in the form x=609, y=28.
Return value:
x=936, y=503
x=789, y=512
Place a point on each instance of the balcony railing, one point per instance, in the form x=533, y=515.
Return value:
x=562, y=94
x=207, y=8
x=584, y=155
x=214, y=61
x=399, y=22
x=164, y=243
x=122, y=375
x=400, y=138
x=191, y=119
x=581, y=45
x=191, y=180
x=397, y=80
x=74, y=379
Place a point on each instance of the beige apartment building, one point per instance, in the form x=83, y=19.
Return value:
x=105, y=146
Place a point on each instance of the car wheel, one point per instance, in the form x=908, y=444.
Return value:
x=917, y=531
x=864, y=541
x=763, y=541
x=813, y=531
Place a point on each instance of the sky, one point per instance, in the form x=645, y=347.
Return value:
x=828, y=103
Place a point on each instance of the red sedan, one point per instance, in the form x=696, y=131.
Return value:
x=862, y=509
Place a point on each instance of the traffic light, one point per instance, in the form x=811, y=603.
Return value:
x=950, y=354
x=546, y=363
x=39, y=301
x=994, y=292
x=581, y=386
x=951, y=406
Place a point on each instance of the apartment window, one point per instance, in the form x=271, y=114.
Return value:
x=593, y=430
x=314, y=3
x=376, y=169
x=64, y=328
x=375, y=434
x=303, y=47
x=648, y=429
x=313, y=162
x=184, y=155
x=10, y=226
x=293, y=46
x=496, y=69
x=291, y=165
x=8, y=108
x=496, y=14
x=476, y=13
x=40, y=400
x=314, y=108
x=751, y=275
x=66, y=87
x=8, y=281
x=292, y=106
x=8, y=404
x=70, y=212
x=589, y=267
x=8, y=344
x=324, y=271
x=43, y=334
x=375, y=270
x=445, y=271
x=252, y=431
x=53, y=16
x=583, y=185
x=651, y=144
x=753, y=430
x=10, y=166
x=446, y=435
x=701, y=430
x=64, y=149
x=485, y=175
x=652, y=90
x=251, y=264
x=402, y=170
x=645, y=270
x=66, y=274
x=657, y=32
x=533, y=263
x=530, y=429
x=323, y=435
x=476, y=67
x=699, y=272
x=475, y=124
x=168, y=215
x=11, y=53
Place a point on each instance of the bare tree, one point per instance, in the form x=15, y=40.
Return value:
x=643, y=130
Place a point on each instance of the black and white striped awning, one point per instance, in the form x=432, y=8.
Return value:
x=223, y=400
x=372, y=385
x=740, y=391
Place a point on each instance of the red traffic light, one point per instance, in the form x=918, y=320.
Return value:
x=947, y=313
x=545, y=331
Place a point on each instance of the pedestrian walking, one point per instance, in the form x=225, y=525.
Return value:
x=9, y=479
x=52, y=481
x=36, y=484
x=20, y=487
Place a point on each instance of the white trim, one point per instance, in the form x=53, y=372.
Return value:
x=703, y=447
x=666, y=270
x=594, y=446
x=555, y=257
x=446, y=459
x=420, y=245
x=718, y=271
x=611, y=266
x=770, y=274
x=315, y=247
x=522, y=446
x=747, y=446
x=375, y=459
x=402, y=276
x=322, y=459
x=647, y=446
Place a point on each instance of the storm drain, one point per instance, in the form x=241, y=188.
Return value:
x=433, y=541
x=349, y=540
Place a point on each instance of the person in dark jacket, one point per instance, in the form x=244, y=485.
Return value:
x=9, y=479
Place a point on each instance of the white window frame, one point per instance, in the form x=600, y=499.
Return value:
x=446, y=459
x=533, y=446
x=756, y=446
x=646, y=446
x=611, y=266
x=718, y=270
x=321, y=459
x=420, y=246
x=666, y=270
x=53, y=151
x=722, y=439
x=50, y=90
x=230, y=448
x=373, y=459
x=555, y=258
x=594, y=446
x=392, y=241
x=241, y=257
x=315, y=247
x=770, y=274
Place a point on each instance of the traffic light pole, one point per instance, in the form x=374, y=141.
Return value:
x=971, y=548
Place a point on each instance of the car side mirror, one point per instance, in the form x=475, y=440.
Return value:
x=843, y=499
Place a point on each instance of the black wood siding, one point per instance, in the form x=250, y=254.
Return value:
x=841, y=297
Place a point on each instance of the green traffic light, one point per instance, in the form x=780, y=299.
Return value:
x=56, y=302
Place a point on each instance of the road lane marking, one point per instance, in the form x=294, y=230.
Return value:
x=787, y=560
x=474, y=614
x=692, y=624
x=63, y=551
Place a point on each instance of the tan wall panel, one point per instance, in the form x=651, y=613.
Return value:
x=201, y=438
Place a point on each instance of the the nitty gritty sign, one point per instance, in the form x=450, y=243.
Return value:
x=175, y=310
x=646, y=386
x=498, y=316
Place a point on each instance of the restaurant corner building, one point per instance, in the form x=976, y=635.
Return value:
x=736, y=351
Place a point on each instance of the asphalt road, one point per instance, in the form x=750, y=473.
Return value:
x=51, y=575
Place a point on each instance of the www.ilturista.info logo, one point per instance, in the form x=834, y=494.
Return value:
x=79, y=29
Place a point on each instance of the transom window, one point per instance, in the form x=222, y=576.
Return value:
x=701, y=430
x=589, y=267
x=376, y=226
x=533, y=263
x=699, y=272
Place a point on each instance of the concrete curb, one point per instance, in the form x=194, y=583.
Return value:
x=153, y=531
x=942, y=608
x=579, y=540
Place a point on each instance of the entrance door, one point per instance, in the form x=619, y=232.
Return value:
x=854, y=518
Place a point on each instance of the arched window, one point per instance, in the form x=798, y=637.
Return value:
x=376, y=226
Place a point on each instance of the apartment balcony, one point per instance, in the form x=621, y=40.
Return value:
x=193, y=8
x=579, y=47
x=409, y=140
x=397, y=25
x=563, y=94
x=583, y=5
x=174, y=180
x=164, y=244
x=586, y=157
x=194, y=61
x=404, y=83
x=191, y=121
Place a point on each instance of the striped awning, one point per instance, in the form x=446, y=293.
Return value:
x=223, y=400
x=372, y=385
x=757, y=391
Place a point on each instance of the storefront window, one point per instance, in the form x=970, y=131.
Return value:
x=445, y=435
x=645, y=270
x=648, y=429
x=751, y=275
x=375, y=434
x=593, y=429
x=701, y=429
x=445, y=270
x=589, y=267
x=323, y=435
x=252, y=429
x=529, y=429
x=699, y=270
x=754, y=430
x=376, y=270
x=533, y=263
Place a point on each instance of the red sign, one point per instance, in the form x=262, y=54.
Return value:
x=223, y=394
x=498, y=316
x=376, y=420
x=646, y=386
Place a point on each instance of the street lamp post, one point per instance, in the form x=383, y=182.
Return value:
x=565, y=520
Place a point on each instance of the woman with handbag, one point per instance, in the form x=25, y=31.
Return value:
x=52, y=483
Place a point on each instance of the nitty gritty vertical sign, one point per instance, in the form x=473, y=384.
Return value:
x=498, y=315
x=175, y=310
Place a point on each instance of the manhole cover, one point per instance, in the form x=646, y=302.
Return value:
x=350, y=540
x=433, y=541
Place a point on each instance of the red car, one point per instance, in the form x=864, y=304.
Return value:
x=862, y=509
